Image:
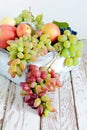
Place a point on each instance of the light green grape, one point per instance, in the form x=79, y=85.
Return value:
x=73, y=39
x=46, y=112
x=20, y=49
x=67, y=33
x=78, y=53
x=18, y=20
x=73, y=48
x=68, y=62
x=58, y=46
x=44, y=37
x=66, y=44
x=20, y=55
x=66, y=53
x=80, y=45
x=62, y=38
x=75, y=61
x=72, y=53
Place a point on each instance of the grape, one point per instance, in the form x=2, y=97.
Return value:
x=35, y=93
x=80, y=45
x=43, y=74
x=72, y=53
x=75, y=61
x=73, y=39
x=40, y=110
x=69, y=62
x=73, y=48
x=67, y=32
x=66, y=44
x=66, y=53
x=78, y=53
x=53, y=74
x=20, y=49
x=58, y=46
x=20, y=55
x=18, y=20
x=37, y=102
x=62, y=38
x=26, y=98
x=46, y=112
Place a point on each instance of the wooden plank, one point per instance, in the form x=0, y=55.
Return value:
x=18, y=115
x=67, y=111
x=84, y=56
x=52, y=122
x=79, y=79
x=4, y=85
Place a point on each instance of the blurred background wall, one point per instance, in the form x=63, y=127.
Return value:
x=72, y=11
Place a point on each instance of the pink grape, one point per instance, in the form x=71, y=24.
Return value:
x=26, y=98
x=33, y=67
x=25, y=87
x=36, y=73
x=29, y=92
x=43, y=75
x=53, y=74
x=31, y=79
x=40, y=110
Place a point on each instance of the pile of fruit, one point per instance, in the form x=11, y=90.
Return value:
x=26, y=38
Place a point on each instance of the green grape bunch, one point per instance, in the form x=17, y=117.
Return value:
x=69, y=47
x=27, y=17
x=25, y=50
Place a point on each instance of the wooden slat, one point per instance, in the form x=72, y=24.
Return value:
x=80, y=90
x=18, y=115
x=4, y=85
x=84, y=56
x=67, y=111
x=79, y=76
x=52, y=122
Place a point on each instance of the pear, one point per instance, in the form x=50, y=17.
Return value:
x=8, y=21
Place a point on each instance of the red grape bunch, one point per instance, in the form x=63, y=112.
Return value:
x=40, y=81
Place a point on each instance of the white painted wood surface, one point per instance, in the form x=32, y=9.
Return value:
x=70, y=101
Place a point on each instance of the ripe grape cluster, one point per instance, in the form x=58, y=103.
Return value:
x=40, y=81
x=27, y=16
x=69, y=47
x=27, y=49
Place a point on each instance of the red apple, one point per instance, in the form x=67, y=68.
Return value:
x=7, y=32
x=51, y=29
x=23, y=29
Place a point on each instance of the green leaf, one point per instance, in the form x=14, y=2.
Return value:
x=39, y=21
x=61, y=24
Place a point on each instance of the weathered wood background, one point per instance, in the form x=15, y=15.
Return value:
x=70, y=102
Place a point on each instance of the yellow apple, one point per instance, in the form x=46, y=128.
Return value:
x=51, y=29
x=8, y=21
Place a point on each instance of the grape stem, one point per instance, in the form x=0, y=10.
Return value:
x=54, y=59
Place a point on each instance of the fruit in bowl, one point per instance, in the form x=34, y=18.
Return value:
x=23, y=29
x=7, y=32
x=8, y=21
x=33, y=44
x=51, y=29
